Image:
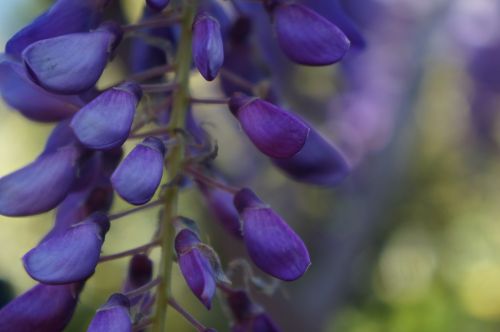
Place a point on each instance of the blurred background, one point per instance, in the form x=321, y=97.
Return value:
x=410, y=242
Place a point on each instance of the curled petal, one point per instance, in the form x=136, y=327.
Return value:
x=72, y=63
x=64, y=17
x=208, y=50
x=113, y=316
x=307, y=37
x=35, y=103
x=195, y=267
x=44, y=308
x=157, y=5
x=319, y=162
x=275, y=132
x=70, y=256
x=105, y=122
x=139, y=175
x=39, y=186
x=273, y=246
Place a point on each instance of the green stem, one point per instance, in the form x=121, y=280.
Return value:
x=174, y=162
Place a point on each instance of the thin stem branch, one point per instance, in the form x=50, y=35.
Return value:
x=122, y=214
x=151, y=73
x=143, y=324
x=236, y=79
x=154, y=132
x=193, y=321
x=158, y=88
x=222, y=101
x=152, y=23
x=143, y=288
x=130, y=252
x=175, y=161
x=210, y=181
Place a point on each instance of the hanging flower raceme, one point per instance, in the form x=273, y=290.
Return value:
x=114, y=315
x=139, y=174
x=208, y=50
x=70, y=256
x=41, y=185
x=249, y=316
x=195, y=265
x=305, y=36
x=273, y=246
x=71, y=64
x=275, y=132
x=44, y=308
x=105, y=122
x=64, y=17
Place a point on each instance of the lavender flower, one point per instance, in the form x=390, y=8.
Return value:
x=271, y=243
x=207, y=46
x=113, y=316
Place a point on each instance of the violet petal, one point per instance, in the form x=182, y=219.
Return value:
x=157, y=5
x=319, y=162
x=70, y=256
x=64, y=17
x=113, y=316
x=273, y=246
x=208, y=50
x=139, y=174
x=72, y=63
x=44, y=308
x=275, y=132
x=39, y=186
x=32, y=101
x=307, y=37
x=105, y=122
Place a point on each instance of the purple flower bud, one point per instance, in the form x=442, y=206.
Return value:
x=273, y=246
x=140, y=272
x=105, y=122
x=39, y=186
x=274, y=132
x=319, y=162
x=73, y=63
x=308, y=38
x=35, y=103
x=64, y=17
x=139, y=174
x=112, y=316
x=249, y=316
x=208, y=49
x=157, y=5
x=220, y=203
x=62, y=135
x=43, y=308
x=69, y=256
x=195, y=266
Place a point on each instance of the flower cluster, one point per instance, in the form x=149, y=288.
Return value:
x=49, y=73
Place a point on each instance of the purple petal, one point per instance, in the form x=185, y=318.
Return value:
x=114, y=316
x=208, y=50
x=139, y=174
x=220, y=203
x=43, y=308
x=307, y=37
x=39, y=186
x=35, y=103
x=274, y=132
x=105, y=122
x=157, y=5
x=60, y=136
x=70, y=256
x=195, y=267
x=72, y=63
x=271, y=243
x=140, y=272
x=319, y=162
x=259, y=323
x=64, y=17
